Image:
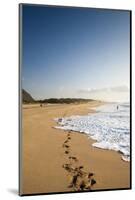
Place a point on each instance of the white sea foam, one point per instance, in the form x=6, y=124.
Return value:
x=109, y=126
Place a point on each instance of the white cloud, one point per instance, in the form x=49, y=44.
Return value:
x=109, y=89
x=117, y=93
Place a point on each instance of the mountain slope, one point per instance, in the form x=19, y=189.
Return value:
x=26, y=97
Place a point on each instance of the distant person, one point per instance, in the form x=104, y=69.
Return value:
x=41, y=105
x=117, y=107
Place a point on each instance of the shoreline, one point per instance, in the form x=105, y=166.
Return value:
x=67, y=126
x=44, y=173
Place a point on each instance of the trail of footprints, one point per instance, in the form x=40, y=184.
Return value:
x=80, y=180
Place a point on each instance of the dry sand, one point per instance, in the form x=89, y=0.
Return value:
x=43, y=154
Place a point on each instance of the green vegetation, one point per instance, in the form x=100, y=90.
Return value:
x=27, y=98
x=65, y=100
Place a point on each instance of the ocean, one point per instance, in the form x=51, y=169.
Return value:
x=109, y=126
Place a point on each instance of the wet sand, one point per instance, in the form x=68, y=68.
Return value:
x=45, y=157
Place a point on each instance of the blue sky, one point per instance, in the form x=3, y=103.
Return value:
x=70, y=50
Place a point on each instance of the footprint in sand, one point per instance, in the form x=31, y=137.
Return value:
x=82, y=185
x=73, y=181
x=66, y=141
x=73, y=158
x=81, y=167
x=67, y=166
x=65, y=146
x=90, y=175
x=79, y=183
x=66, y=152
x=80, y=180
x=93, y=182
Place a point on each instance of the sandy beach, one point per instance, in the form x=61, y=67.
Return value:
x=44, y=156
